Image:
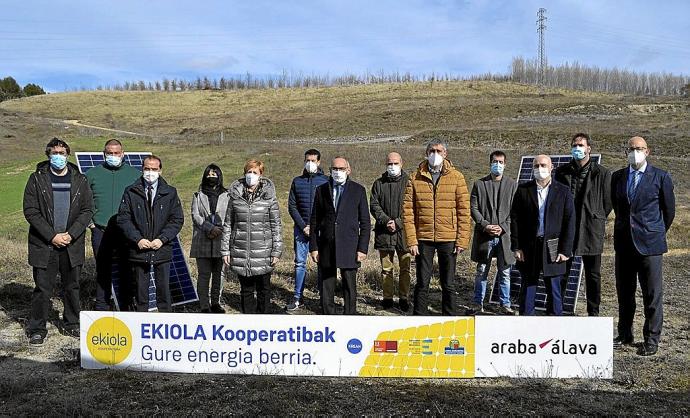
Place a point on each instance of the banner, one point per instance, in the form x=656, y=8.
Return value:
x=555, y=347
x=364, y=346
x=304, y=345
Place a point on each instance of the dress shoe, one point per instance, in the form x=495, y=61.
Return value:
x=647, y=349
x=620, y=341
x=215, y=308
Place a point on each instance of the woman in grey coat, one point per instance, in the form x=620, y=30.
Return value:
x=208, y=213
x=252, y=242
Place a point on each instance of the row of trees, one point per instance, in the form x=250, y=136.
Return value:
x=580, y=77
x=10, y=89
x=287, y=80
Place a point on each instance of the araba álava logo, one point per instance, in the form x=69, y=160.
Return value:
x=554, y=346
x=109, y=341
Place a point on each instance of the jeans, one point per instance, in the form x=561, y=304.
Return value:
x=502, y=275
x=446, y=265
x=301, y=254
x=387, y=266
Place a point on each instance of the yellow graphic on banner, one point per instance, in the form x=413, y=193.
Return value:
x=440, y=350
x=109, y=340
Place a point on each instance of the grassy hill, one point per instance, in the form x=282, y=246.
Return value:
x=362, y=123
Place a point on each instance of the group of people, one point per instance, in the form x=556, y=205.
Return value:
x=537, y=226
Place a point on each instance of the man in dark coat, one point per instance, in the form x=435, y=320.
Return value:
x=542, y=226
x=590, y=185
x=150, y=217
x=386, y=207
x=300, y=202
x=58, y=207
x=340, y=230
x=645, y=205
x=490, y=203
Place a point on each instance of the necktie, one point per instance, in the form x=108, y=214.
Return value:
x=336, y=196
x=633, y=185
x=149, y=196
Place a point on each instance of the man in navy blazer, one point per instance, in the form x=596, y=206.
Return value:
x=644, y=204
x=339, y=239
x=542, y=210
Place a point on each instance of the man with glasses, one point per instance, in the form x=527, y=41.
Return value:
x=590, y=185
x=436, y=217
x=644, y=203
x=339, y=235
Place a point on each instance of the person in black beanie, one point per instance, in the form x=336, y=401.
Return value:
x=209, y=206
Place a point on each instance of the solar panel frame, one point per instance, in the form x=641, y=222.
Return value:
x=182, y=289
x=572, y=290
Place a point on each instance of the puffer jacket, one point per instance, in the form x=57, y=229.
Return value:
x=439, y=213
x=301, y=198
x=252, y=229
x=204, y=221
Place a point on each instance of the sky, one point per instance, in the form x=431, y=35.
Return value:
x=64, y=45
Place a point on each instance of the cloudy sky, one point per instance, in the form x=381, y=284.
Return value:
x=62, y=44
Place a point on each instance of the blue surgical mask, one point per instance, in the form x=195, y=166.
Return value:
x=578, y=153
x=57, y=161
x=497, y=169
x=113, y=160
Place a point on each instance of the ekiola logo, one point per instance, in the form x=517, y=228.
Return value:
x=109, y=340
x=556, y=346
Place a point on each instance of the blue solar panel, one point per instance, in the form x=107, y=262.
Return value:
x=574, y=275
x=182, y=288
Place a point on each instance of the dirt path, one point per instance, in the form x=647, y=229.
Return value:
x=75, y=122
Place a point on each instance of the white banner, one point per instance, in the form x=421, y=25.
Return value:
x=555, y=347
x=304, y=345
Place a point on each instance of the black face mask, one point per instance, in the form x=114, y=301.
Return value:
x=212, y=181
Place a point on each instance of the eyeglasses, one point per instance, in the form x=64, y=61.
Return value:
x=631, y=149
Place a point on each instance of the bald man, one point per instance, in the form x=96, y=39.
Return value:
x=339, y=238
x=644, y=203
x=386, y=207
x=542, y=227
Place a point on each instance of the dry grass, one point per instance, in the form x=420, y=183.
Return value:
x=474, y=117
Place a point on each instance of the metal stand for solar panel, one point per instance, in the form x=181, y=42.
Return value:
x=183, y=291
x=572, y=290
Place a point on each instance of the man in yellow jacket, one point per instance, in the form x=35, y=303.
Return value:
x=436, y=217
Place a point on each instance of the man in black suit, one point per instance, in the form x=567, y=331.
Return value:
x=150, y=218
x=542, y=214
x=644, y=204
x=340, y=229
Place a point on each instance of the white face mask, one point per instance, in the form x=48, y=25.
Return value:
x=311, y=167
x=151, y=176
x=435, y=159
x=393, y=170
x=541, y=173
x=339, y=177
x=252, y=179
x=636, y=158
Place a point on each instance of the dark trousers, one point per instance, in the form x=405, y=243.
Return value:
x=349, y=284
x=446, y=267
x=592, y=266
x=631, y=266
x=209, y=270
x=109, y=248
x=45, y=279
x=255, y=293
x=161, y=274
x=552, y=284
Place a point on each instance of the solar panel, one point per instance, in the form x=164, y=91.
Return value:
x=571, y=293
x=182, y=288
